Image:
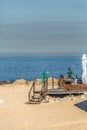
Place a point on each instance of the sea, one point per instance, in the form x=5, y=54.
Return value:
x=13, y=67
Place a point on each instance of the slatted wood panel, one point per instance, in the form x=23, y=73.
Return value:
x=75, y=86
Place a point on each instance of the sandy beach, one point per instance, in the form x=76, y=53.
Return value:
x=57, y=114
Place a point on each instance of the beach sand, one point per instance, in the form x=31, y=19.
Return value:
x=57, y=114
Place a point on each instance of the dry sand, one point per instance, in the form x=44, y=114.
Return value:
x=61, y=114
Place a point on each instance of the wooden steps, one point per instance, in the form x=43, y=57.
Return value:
x=35, y=97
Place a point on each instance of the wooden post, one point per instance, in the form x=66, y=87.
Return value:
x=34, y=88
x=46, y=86
x=31, y=90
x=52, y=82
x=28, y=96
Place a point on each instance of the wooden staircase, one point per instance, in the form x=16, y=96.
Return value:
x=36, y=97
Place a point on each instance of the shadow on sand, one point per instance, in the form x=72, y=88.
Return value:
x=82, y=105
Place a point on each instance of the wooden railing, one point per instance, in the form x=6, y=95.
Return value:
x=52, y=82
x=75, y=87
x=71, y=86
x=32, y=90
x=42, y=92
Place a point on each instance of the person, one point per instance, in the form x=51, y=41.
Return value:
x=69, y=72
x=44, y=77
x=76, y=76
x=79, y=81
x=76, y=79
x=61, y=81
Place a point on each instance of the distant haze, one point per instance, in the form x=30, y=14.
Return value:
x=43, y=27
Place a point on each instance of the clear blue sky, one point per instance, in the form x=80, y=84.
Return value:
x=43, y=26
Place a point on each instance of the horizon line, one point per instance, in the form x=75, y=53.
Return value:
x=42, y=54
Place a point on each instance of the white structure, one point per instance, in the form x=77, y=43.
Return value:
x=84, y=68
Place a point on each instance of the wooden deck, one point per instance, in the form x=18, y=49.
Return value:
x=68, y=89
x=62, y=92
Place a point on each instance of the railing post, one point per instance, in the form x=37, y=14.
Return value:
x=28, y=96
x=34, y=88
x=31, y=89
x=52, y=82
x=46, y=86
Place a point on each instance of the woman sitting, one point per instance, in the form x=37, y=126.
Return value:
x=61, y=81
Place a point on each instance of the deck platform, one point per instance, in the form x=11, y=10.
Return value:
x=61, y=92
x=68, y=89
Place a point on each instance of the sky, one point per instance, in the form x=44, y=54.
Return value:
x=43, y=26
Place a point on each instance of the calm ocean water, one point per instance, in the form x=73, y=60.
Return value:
x=30, y=67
